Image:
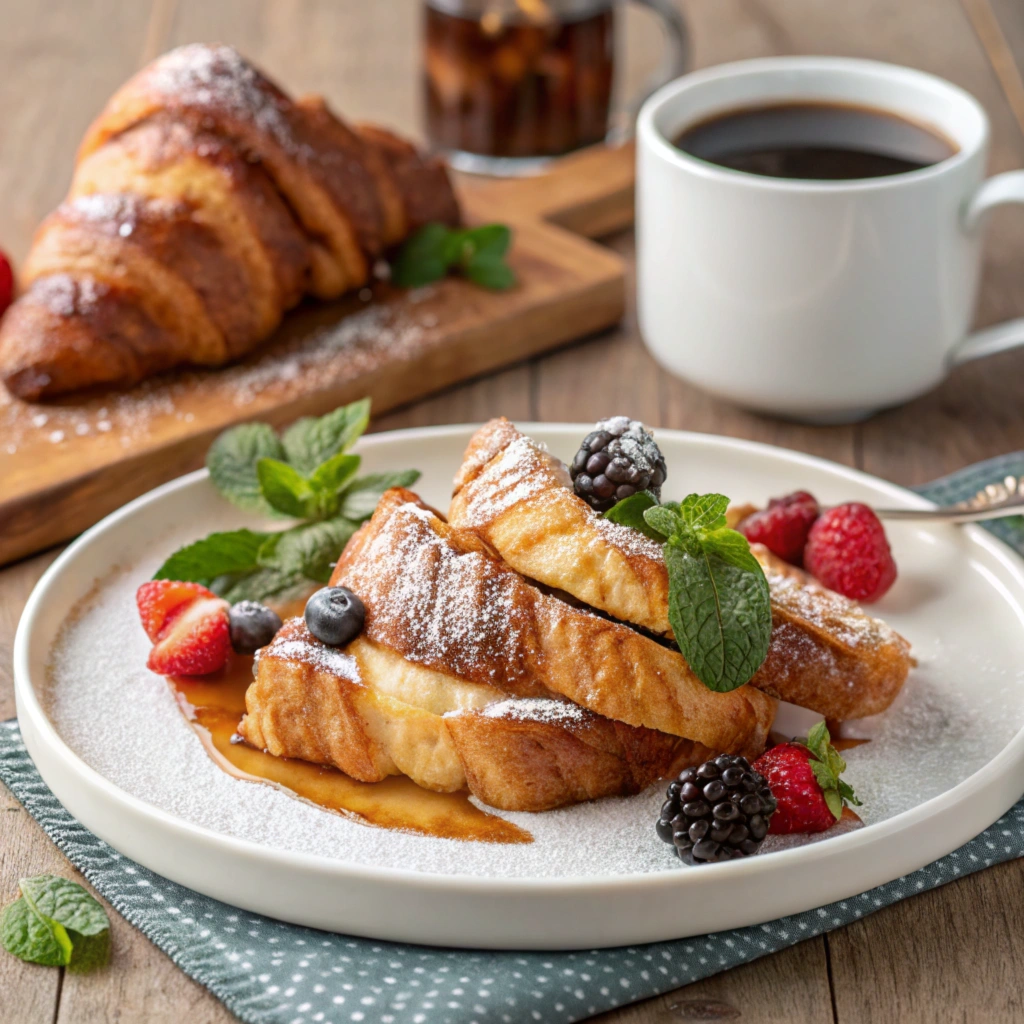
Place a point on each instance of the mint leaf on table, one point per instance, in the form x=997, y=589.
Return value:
x=232, y=461
x=436, y=250
x=719, y=604
x=361, y=496
x=630, y=512
x=220, y=554
x=309, y=442
x=57, y=923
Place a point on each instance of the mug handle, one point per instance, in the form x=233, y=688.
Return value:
x=998, y=191
x=674, y=62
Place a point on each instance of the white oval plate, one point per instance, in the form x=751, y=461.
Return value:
x=945, y=762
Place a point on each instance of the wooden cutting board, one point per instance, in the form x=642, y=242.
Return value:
x=65, y=465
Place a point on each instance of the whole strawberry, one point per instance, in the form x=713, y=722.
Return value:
x=6, y=283
x=805, y=780
x=848, y=552
x=783, y=526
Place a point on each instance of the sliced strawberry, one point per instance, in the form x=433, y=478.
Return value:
x=197, y=642
x=160, y=602
x=805, y=780
x=187, y=623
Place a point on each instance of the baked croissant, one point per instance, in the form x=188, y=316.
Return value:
x=204, y=204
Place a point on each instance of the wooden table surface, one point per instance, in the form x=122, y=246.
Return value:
x=956, y=954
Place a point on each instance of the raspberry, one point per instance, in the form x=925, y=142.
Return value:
x=783, y=526
x=848, y=552
x=6, y=282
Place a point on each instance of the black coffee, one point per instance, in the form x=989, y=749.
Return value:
x=823, y=141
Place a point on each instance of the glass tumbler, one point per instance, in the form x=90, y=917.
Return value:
x=510, y=84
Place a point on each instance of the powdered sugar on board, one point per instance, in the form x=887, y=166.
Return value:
x=123, y=721
x=319, y=347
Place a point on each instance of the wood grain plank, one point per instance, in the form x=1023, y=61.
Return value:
x=789, y=987
x=952, y=954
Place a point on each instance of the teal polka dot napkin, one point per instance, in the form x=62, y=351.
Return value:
x=267, y=972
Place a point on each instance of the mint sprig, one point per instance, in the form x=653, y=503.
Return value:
x=305, y=474
x=719, y=606
x=55, y=922
x=436, y=250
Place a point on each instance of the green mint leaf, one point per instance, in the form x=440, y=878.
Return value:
x=310, y=550
x=329, y=480
x=65, y=902
x=491, y=240
x=311, y=441
x=704, y=512
x=631, y=512
x=56, y=922
x=232, y=461
x=664, y=519
x=435, y=250
x=261, y=585
x=719, y=606
x=360, y=498
x=490, y=272
x=219, y=554
x=424, y=257
x=30, y=937
x=285, y=488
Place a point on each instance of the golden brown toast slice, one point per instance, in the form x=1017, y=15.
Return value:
x=437, y=597
x=369, y=712
x=826, y=653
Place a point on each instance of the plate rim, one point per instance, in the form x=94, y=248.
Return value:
x=28, y=704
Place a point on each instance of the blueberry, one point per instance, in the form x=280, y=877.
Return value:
x=252, y=626
x=335, y=615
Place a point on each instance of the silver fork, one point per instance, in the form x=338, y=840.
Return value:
x=1005, y=498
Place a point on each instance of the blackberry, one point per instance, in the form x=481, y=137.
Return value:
x=718, y=811
x=616, y=460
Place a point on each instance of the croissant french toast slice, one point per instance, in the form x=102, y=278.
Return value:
x=439, y=598
x=371, y=713
x=826, y=654
x=224, y=203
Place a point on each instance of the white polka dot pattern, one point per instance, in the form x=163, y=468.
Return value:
x=273, y=973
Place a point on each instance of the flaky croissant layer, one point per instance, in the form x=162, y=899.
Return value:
x=205, y=203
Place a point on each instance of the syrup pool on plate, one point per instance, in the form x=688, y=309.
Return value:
x=214, y=705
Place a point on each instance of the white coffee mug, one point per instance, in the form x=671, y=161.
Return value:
x=817, y=300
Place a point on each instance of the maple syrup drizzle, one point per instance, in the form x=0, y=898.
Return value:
x=214, y=705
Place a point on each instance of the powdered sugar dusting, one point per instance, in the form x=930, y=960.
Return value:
x=319, y=656
x=840, y=617
x=537, y=709
x=319, y=348
x=524, y=472
x=218, y=77
x=961, y=706
x=451, y=610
